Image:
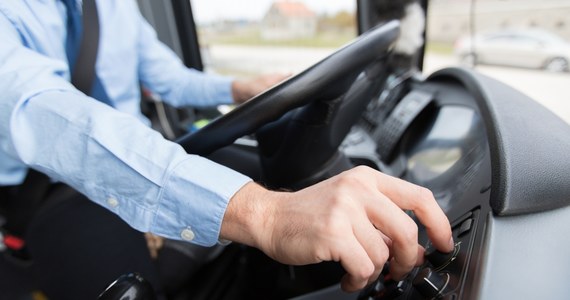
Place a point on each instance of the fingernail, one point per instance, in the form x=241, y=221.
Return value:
x=451, y=244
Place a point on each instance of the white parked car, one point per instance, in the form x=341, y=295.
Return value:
x=528, y=48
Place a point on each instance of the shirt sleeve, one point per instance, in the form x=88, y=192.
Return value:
x=109, y=156
x=161, y=70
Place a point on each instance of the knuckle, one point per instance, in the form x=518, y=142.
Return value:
x=362, y=168
x=384, y=256
x=334, y=224
x=409, y=233
x=425, y=194
x=358, y=172
x=337, y=205
x=365, y=272
x=364, y=171
x=381, y=259
x=342, y=201
x=347, y=180
x=424, y=198
x=401, y=267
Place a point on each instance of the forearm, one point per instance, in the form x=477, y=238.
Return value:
x=187, y=87
x=161, y=71
x=108, y=155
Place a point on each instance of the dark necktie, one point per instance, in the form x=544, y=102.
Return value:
x=91, y=86
x=74, y=29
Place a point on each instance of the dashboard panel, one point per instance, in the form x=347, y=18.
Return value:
x=449, y=133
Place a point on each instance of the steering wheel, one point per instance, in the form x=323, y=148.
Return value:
x=325, y=80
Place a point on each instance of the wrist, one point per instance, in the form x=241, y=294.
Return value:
x=238, y=94
x=249, y=216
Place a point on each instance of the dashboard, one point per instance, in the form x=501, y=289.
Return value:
x=499, y=179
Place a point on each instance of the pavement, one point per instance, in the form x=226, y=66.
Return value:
x=552, y=90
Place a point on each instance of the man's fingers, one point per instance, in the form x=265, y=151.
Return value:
x=401, y=230
x=357, y=264
x=421, y=201
x=421, y=259
x=372, y=240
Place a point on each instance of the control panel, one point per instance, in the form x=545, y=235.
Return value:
x=441, y=275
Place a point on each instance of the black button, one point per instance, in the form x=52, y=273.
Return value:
x=372, y=291
x=393, y=290
x=465, y=227
x=439, y=259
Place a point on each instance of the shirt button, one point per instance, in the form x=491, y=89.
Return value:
x=113, y=202
x=187, y=234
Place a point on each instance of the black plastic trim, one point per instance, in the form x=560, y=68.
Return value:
x=529, y=146
x=188, y=35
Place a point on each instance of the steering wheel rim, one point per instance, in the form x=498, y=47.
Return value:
x=327, y=79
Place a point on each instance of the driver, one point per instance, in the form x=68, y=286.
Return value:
x=118, y=171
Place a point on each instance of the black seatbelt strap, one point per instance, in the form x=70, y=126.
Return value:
x=36, y=185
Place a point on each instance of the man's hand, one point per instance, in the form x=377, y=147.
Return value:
x=355, y=218
x=243, y=90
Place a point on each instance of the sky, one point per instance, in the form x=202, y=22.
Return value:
x=206, y=11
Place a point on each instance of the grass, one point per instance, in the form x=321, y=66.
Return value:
x=322, y=39
x=439, y=48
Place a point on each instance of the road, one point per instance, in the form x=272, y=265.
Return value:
x=549, y=89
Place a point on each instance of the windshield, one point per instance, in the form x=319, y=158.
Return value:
x=249, y=37
x=525, y=44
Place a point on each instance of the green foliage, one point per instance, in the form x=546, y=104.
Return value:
x=439, y=47
x=342, y=20
x=332, y=31
x=253, y=37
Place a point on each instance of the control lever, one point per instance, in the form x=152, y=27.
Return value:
x=430, y=283
x=130, y=286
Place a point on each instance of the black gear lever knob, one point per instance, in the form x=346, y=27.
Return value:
x=130, y=286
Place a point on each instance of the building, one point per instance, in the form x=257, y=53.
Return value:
x=287, y=20
x=450, y=19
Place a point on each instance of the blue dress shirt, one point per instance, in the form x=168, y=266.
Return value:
x=108, y=153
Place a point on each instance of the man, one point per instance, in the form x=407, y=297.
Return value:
x=103, y=150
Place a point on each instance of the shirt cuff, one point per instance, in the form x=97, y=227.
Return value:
x=221, y=88
x=194, y=200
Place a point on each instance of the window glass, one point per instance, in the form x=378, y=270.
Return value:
x=525, y=44
x=249, y=37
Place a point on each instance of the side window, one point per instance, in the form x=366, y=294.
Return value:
x=530, y=48
x=249, y=37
